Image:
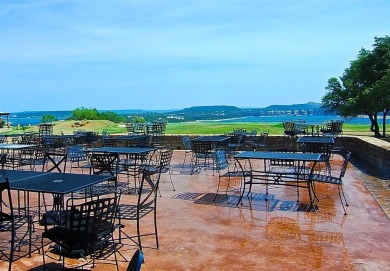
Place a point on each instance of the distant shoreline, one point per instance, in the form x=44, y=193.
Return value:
x=35, y=118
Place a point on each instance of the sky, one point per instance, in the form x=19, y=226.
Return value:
x=174, y=54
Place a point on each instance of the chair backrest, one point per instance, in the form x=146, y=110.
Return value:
x=76, y=153
x=129, y=127
x=139, y=128
x=165, y=159
x=186, y=143
x=220, y=160
x=289, y=128
x=236, y=138
x=324, y=149
x=337, y=126
x=91, y=137
x=136, y=261
x=346, y=157
x=3, y=160
x=148, y=189
x=201, y=147
x=91, y=216
x=104, y=163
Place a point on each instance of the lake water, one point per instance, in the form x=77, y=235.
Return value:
x=308, y=119
x=34, y=118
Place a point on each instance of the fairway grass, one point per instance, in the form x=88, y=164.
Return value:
x=186, y=128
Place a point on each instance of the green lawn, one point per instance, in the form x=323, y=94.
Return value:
x=197, y=128
x=190, y=128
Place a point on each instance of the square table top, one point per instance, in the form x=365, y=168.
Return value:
x=316, y=139
x=212, y=138
x=15, y=146
x=128, y=137
x=121, y=150
x=60, y=136
x=50, y=182
x=293, y=156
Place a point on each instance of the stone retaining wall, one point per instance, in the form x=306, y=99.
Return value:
x=373, y=151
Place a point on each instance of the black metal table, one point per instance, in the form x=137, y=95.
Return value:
x=122, y=150
x=13, y=148
x=315, y=140
x=299, y=177
x=317, y=144
x=133, y=157
x=57, y=184
x=131, y=140
x=215, y=139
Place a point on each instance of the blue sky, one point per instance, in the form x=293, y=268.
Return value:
x=172, y=54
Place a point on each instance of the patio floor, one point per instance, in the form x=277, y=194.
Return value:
x=196, y=233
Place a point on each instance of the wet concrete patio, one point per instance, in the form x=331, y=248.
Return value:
x=196, y=233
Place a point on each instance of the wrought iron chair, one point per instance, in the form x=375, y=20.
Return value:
x=13, y=222
x=187, y=144
x=235, y=143
x=224, y=171
x=334, y=177
x=3, y=160
x=146, y=204
x=105, y=164
x=77, y=158
x=202, y=151
x=88, y=228
x=33, y=157
x=162, y=158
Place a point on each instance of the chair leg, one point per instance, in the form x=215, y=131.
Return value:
x=345, y=199
x=11, y=255
x=155, y=227
x=170, y=177
x=342, y=203
x=139, y=234
x=114, y=251
x=219, y=183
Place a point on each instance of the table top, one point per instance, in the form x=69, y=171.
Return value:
x=15, y=146
x=60, y=136
x=293, y=156
x=127, y=137
x=50, y=182
x=212, y=138
x=314, y=139
x=121, y=150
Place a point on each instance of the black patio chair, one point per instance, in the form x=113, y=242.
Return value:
x=14, y=222
x=225, y=171
x=77, y=158
x=146, y=204
x=3, y=160
x=162, y=158
x=87, y=229
x=105, y=164
x=187, y=144
x=202, y=153
x=33, y=157
x=334, y=177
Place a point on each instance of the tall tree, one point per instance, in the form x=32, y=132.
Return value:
x=364, y=86
x=381, y=73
